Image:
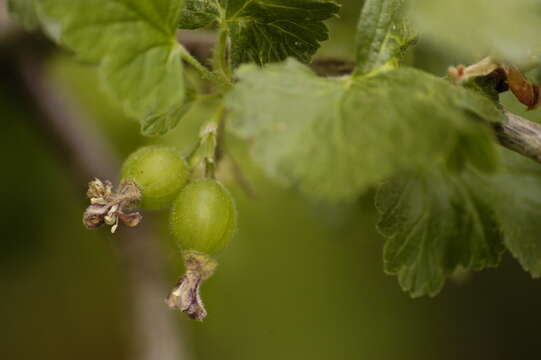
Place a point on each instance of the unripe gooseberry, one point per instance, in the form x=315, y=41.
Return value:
x=203, y=217
x=159, y=172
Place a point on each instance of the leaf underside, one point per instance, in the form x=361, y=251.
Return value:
x=334, y=138
x=435, y=223
x=439, y=221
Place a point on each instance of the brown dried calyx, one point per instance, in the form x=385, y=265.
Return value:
x=185, y=296
x=110, y=207
x=525, y=91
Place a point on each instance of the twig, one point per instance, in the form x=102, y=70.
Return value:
x=156, y=334
x=520, y=135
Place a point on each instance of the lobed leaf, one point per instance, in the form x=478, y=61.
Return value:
x=134, y=43
x=335, y=137
x=435, y=223
x=516, y=198
x=264, y=31
x=161, y=124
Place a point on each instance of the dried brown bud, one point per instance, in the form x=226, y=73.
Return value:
x=108, y=207
x=526, y=92
x=185, y=296
x=512, y=78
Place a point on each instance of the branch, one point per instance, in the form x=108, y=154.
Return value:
x=520, y=135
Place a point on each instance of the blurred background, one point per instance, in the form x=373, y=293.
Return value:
x=301, y=280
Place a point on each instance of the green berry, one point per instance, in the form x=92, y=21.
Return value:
x=159, y=172
x=204, y=217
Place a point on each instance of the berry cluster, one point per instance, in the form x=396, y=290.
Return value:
x=203, y=216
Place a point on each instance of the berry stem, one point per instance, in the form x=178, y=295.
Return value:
x=205, y=73
x=220, y=59
x=206, y=151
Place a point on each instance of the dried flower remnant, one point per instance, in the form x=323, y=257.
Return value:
x=185, y=296
x=525, y=91
x=461, y=73
x=109, y=207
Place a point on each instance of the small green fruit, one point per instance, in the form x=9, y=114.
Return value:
x=159, y=172
x=204, y=217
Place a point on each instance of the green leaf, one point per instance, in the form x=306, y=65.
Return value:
x=134, y=43
x=264, y=31
x=24, y=12
x=382, y=35
x=435, y=223
x=199, y=13
x=476, y=150
x=439, y=221
x=335, y=137
x=162, y=124
x=505, y=29
x=516, y=197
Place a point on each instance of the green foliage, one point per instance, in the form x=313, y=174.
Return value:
x=515, y=195
x=264, y=31
x=134, y=43
x=336, y=137
x=199, y=13
x=436, y=222
x=450, y=203
x=24, y=12
x=158, y=125
x=383, y=35
x=498, y=27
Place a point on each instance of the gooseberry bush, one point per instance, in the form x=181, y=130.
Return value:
x=449, y=197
